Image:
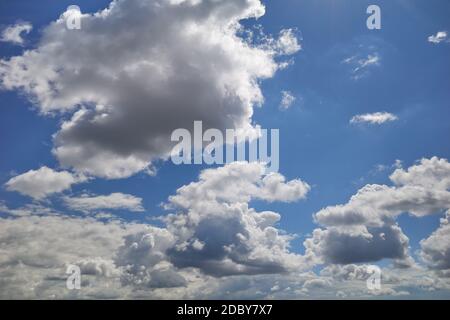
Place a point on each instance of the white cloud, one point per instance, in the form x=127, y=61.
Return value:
x=239, y=182
x=14, y=33
x=123, y=261
x=43, y=182
x=185, y=65
x=316, y=283
x=374, y=118
x=438, y=37
x=35, y=252
x=431, y=173
x=287, y=99
x=346, y=272
x=287, y=43
x=141, y=252
x=361, y=64
x=420, y=190
x=211, y=234
x=364, y=229
x=236, y=239
x=436, y=248
x=28, y=210
x=114, y=201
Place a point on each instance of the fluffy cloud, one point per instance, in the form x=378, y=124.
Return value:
x=43, y=182
x=36, y=209
x=374, y=205
x=431, y=173
x=287, y=99
x=14, y=33
x=438, y=37
x=141, y=252
x=217, y=232
x=124, y=261
x=213, y=230
x=358, y=245
x=35, y=252
x=364, y=229
x=286, y=44
x=374, y=118
x=346, y=272
x=187, y=63
x=114, y=201
x=238, y=182
x=213, y=233
x=436, y=248
x=117, y=260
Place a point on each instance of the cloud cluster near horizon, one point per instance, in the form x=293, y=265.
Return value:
x=212, y=233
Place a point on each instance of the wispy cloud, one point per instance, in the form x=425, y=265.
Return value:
x=374, y=118
x=361, y=65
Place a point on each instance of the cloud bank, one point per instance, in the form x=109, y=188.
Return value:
x=213, y=244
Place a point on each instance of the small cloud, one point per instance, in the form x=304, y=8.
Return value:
x=287, y=43
x=361, y=65
x=349, y=60
x=439, y=37
x=287, y=99
x=114, y=201
x=13, y=33
x=374, y=118
x=43, y=182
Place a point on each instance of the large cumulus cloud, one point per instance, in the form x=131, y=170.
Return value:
x=140, y=69
x=216, y=231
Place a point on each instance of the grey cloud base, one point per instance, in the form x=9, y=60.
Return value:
x=364, y=229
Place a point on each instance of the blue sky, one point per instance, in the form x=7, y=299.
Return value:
x=318, y=144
